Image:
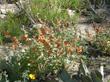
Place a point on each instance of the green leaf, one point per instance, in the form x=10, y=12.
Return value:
x=1, y=37
x=78, y=43
x=95, y=78
x=86, y=78
x=98, y=74
x=64, y=75
x=83, y=69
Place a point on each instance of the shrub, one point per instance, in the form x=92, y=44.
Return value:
x=100, y=44
x=48, y=51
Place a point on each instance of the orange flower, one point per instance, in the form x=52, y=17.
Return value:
x=6, y=34
x=41, y=38
x=79, y=49
x=66, y=43
x=15, y=40
x=14, y=46
x=58, y=43
x=24, y=37
x=44, y=30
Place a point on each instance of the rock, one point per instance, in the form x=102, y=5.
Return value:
x=6, y=53
x=83, y=19
x=37, y=25
x=2, y=16
x=84, y=30
x=71, y=12
x=2, y=53
x=4, y=8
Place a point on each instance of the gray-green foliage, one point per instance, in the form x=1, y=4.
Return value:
x=83, y=75
x=10, y=70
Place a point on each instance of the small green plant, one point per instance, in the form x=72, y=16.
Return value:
x=11, y=24
x=53, y=12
